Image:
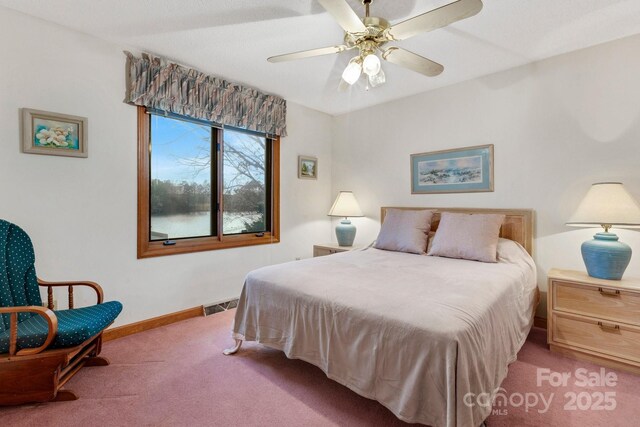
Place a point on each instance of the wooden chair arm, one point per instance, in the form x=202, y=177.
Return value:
x=50, y=285
x=48, y=315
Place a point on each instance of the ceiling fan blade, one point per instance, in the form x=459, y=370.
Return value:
x=434, y=19
x=308, y=53
x=412, y=61
x=346, y=17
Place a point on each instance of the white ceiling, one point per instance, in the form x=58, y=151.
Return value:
x=233, y=38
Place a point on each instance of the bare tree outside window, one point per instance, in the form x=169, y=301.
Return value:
x=181, y=171
x=244, y=185
x=180, y=202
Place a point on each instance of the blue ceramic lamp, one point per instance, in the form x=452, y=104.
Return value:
x=607, y=204
x=345, y=206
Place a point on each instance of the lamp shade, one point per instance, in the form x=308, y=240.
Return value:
x=607, y=203
x=345, y=205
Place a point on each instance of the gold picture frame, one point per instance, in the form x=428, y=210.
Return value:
x=53, y=134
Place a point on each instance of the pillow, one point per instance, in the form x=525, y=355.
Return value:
x=467, y=236
x=404, y=231
x=432, y=234
x=510, y=251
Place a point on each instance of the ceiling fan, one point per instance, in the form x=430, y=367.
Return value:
x=370, y=34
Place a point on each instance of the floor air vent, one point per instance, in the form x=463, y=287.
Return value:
x=220, y=306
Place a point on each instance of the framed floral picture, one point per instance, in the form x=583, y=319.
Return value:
x=44, y=132
x=461, y=170
x=307, y=167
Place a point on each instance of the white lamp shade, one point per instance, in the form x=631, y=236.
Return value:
x=607, y=203
x=345, y=205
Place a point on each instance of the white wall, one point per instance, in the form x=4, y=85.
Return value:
x=558, y=126
x=81, y=213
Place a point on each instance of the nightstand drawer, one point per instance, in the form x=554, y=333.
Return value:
x=320, y=251
x=330, y=249
x=613, y=339
x=602, y=302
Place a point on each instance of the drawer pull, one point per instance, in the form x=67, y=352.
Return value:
x=609, y=292
x=609, y=327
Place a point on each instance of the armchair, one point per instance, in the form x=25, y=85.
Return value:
x=41, y=348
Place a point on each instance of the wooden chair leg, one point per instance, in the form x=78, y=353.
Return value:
x=97, y=361
x=65, y=396
x=96, y=351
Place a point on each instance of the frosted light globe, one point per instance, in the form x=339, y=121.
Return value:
x=377, y=79
x=371, y=65
x=351, y=74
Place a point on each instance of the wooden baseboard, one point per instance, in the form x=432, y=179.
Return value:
x=540, y=322
x=167, y=319
x=155, y=322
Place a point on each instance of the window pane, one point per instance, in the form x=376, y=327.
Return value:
x=180, y=179
x=244, y=183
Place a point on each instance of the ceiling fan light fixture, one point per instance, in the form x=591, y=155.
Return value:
x=352, y=73
x=370, y=35
x=377, y=79
x=371, y=65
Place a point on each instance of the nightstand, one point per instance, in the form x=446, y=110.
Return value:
x=594, y=319
x=331, y=248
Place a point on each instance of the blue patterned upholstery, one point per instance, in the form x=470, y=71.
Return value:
x=18, y=282
x=74, y=327
x=19, y=287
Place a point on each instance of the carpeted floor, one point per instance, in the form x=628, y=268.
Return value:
x=177, y=375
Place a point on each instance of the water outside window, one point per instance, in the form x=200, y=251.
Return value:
x=180, y=202
x=181, y=191
x=244, y=183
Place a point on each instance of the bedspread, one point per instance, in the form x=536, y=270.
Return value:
x=416, y=333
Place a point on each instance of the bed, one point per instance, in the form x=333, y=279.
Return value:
x=422, y=335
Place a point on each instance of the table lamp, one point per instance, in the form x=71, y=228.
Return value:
x=345, y=206
x=606, y=204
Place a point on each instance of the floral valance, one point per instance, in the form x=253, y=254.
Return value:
x=154, y=83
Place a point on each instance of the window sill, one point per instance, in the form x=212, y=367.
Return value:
x=185, y=246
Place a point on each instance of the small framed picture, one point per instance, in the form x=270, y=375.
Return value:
x=44, y=132
x=461, y=170
x=307, y=167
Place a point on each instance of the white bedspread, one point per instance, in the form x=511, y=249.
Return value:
x=415, y=333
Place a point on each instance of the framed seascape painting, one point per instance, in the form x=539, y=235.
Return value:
x=55, y=134
x=461, y=170
x=307, y=167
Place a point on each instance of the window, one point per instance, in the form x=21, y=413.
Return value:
x=202, y=188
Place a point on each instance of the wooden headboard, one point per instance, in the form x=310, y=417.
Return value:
x=517, y=225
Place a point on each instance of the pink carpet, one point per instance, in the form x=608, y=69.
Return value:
x=177, y=375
